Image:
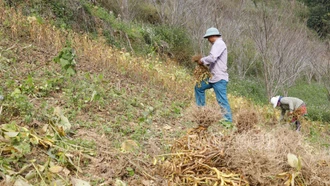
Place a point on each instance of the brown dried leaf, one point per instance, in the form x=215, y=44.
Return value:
x=55, y=169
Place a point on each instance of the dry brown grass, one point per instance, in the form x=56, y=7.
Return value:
x=246, y=120
x=254, y=157
x=201, y=72
x=204, y=116
x=197, y=159
x=254, y=154
x=261, y=155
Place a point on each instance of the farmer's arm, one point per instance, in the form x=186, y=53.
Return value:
x=216, y=50
x=289, y=102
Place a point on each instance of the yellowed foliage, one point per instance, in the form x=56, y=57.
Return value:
x=55, y=169
x=129, y=146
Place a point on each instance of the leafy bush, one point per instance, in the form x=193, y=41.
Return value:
x=110, y=5
x=163, y=40
x=66, y=58
x=138, y=10
x=148, y=14
x=71, y=14
x=174, y=42
x=13, y=2
x=319, y=17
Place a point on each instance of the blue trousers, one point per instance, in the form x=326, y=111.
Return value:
x=220, y=89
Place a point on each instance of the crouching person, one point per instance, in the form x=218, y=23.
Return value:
x=295, y=106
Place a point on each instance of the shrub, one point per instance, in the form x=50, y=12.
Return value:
x=319, y=17
x=174, y=42
x=148, y=14
x=72, y=14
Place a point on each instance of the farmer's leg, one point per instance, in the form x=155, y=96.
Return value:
x=298, y=126
x=301, y=112
x=220, y=89
x=200, y=92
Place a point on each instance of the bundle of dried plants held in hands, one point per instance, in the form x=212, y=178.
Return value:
x=201, y=72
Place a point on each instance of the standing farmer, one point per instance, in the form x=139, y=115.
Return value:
x=217, y=63
x=295, y=106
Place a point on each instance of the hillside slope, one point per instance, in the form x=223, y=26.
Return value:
x=111, y=98
x=108, y=117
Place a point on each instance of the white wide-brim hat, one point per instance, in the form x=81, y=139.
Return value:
x=274, y=100
x=212, y=32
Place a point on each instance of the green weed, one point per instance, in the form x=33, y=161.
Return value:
x=66, y=58
x=17, y=104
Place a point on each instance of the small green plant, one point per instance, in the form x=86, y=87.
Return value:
x=50, y=85
x=17, y=104
x=226, y=124
x=28, y=87
x=147, y=115
x=130, y=171
x=66, y=58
